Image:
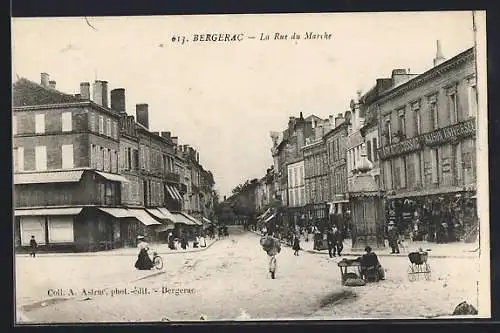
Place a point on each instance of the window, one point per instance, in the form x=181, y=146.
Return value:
x=416, y=117
x=67, y=156
x=110, y=159
x=388, y=131
x=401, y=122
x=369, y=150
x=135, y=159
x=472, y=97
x=20, y=158
x=14, y=125
x=108, y=127
x=435, y=166
x=404, y=172
x=92, y=122
x=101, y=124
x=40, y=123
x=100, y=159
x=40, y=158
x=453, y=107
x=374, y=147
x=433, y=112
x=66, y=122
x=61, y=229
x=115, y=129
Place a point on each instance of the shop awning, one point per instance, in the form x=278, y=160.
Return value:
x=173, y=192
x=48, y=177
x=48, y=211
x=112, y=177
x=264, y=215
x=195, y=220
x=180, y=218
x=117, y=212
x=207, y=221
x=161, y=214
x=269, y=218
x=144, y=217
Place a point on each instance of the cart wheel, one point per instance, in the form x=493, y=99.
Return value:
x=427, y=273
x=412, y=275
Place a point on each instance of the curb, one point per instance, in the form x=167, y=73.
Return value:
x=101, y=253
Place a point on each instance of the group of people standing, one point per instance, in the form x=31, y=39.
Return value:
x=182, y=241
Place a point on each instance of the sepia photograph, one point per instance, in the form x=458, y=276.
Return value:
x=250, y=167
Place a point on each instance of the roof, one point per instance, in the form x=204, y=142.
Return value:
x=26, y=92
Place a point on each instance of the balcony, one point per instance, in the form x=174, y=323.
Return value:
x=172, y=177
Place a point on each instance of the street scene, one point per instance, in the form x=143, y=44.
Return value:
x=172, y=179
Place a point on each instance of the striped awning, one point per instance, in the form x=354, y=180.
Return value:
x=144, y=217
x=112, y=177
x=173, y=192
x=117, y=212
x=161, y=214
x=48, y=177
x=207, y=220
x=265, y=214
x=48, y=211
x=195, y=220
x=269, y=218
x=180, y=218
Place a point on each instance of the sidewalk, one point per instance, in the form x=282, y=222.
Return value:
x=449, y=250
x=160, y=248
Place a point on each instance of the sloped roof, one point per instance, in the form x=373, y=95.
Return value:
x=26, y=92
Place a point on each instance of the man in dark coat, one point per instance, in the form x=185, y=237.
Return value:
x=330, y=240
x=33, y=246
x=392, y=235
x=339, y=241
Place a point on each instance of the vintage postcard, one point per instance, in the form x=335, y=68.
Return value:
x=250, y=167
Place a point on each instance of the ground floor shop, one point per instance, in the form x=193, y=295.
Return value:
x=82, y=229
x=438, y=217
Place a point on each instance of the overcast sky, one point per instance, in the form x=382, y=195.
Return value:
x=225, y=98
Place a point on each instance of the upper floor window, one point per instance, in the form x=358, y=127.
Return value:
x=14, y=125
x=108, y=127
x=92, y=122
x=40, y=123
x=388, y=130
x=40, y=158
x=19, y=159
x=115, y=129
x=67, y=156
x=374, y=147
x=401, y=122
x=433, y=112
x=472, y=97
x=415, y=107
x=453, y=104
x=101, y=124
x=369, y=150
x=66, y=122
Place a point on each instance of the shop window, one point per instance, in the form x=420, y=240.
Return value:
x=61, y=229
x=32, y=226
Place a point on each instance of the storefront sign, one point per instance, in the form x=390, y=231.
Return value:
x=439, y=136
x=399, y=148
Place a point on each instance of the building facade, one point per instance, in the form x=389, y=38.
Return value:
x=428, y=150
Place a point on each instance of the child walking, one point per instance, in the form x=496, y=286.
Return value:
x=33, y=246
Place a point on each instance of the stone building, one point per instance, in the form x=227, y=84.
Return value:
x=428, y=149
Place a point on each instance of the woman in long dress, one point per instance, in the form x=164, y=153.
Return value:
x=143, y=262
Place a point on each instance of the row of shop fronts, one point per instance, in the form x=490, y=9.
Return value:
x=99, y=228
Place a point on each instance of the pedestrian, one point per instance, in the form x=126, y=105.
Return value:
x=330, y=241
x=392, y=235
x=184, y=242
x=339, y=241
x=296, y=245
x=143, y=262
x=33, y=246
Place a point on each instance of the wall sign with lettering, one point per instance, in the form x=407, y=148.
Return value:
x=434, y=138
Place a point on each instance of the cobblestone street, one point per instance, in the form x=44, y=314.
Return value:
x=230, y=281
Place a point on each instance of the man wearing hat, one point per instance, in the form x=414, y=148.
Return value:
x=392, y=235
x=369, y=260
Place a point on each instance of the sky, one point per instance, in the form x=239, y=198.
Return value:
x=224, y=98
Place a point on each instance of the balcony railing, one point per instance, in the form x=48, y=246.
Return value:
x=173, y=177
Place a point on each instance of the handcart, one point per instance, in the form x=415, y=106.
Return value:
x=349, y=269
x=418, y=266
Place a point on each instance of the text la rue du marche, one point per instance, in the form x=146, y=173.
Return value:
x=239, y=37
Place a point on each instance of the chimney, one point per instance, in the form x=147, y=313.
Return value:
x=439, y=54
x=85, y=91
x=339, y=119
x=142, y=114
x=399, y=76
x=118, y=100
x=165, y=135
x=52, y=84
x=101, y=93
x=44, y=79
x=77, y=96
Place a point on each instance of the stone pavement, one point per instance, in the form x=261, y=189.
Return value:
x=449, y=250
